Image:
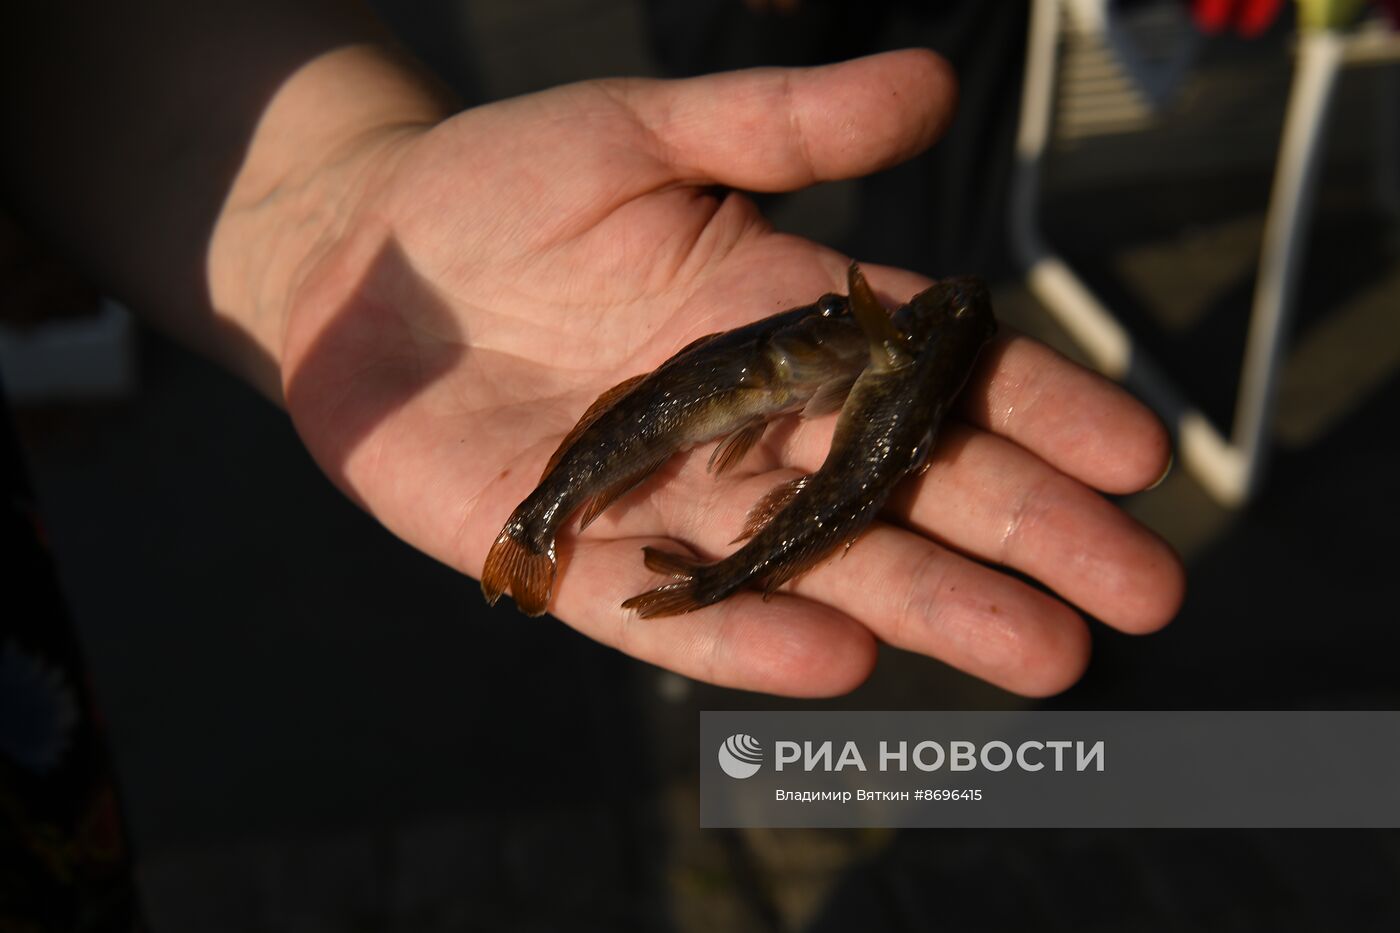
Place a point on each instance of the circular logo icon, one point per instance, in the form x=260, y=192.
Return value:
x=740, y=756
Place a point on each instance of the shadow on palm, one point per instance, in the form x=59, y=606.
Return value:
x=503, y=269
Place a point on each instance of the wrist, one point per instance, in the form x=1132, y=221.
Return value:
x=328, y=137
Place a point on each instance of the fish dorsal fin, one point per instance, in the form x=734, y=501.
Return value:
x=601, y=404
x=886, y=343
x=770, y=505
x=731, y=450
x=693, y=344
x=829, y=397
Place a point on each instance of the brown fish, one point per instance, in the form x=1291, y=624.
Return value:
x=884, y=433
x=726, y=385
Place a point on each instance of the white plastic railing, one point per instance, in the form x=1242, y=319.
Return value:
x=1228, y=467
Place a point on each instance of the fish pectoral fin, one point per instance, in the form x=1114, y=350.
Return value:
x=599, y=503
x=731, y=450
x=770, y=505
x=601, y=404
x=829, y=397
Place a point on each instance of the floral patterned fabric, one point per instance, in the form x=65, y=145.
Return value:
x=64, y=863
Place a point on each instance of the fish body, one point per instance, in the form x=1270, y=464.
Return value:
x=726, y=385
x=918, y=363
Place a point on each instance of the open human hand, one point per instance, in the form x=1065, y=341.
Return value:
x=494, y=273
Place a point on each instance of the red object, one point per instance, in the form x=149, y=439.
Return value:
x=1248, y=18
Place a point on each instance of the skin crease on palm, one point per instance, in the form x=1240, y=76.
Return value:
x=501, y=269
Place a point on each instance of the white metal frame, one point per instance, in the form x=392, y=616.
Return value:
x=1228, y=467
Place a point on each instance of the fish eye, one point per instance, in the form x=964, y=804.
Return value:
x=966, y=296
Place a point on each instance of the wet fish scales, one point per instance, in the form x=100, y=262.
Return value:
x=725, y=385
x=884, y=433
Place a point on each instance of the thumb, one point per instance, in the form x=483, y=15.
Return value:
x=777, y=129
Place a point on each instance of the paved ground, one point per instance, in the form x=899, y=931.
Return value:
x=319, y=729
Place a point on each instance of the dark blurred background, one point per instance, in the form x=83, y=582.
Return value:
x=318, y=728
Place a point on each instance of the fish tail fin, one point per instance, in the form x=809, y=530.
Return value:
x=673, y=599
x=511, y=565
x=886, y=342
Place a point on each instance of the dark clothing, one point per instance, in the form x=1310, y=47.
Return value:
x=64, y=862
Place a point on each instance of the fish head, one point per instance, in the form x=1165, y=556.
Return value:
x=946, y=326
x=953, y=308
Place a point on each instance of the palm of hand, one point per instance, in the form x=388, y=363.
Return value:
x=506, y=267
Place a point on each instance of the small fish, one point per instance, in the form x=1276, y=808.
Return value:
x=725, y=385
x=918, y=363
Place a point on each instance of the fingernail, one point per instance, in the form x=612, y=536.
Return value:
x=1171, y=462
